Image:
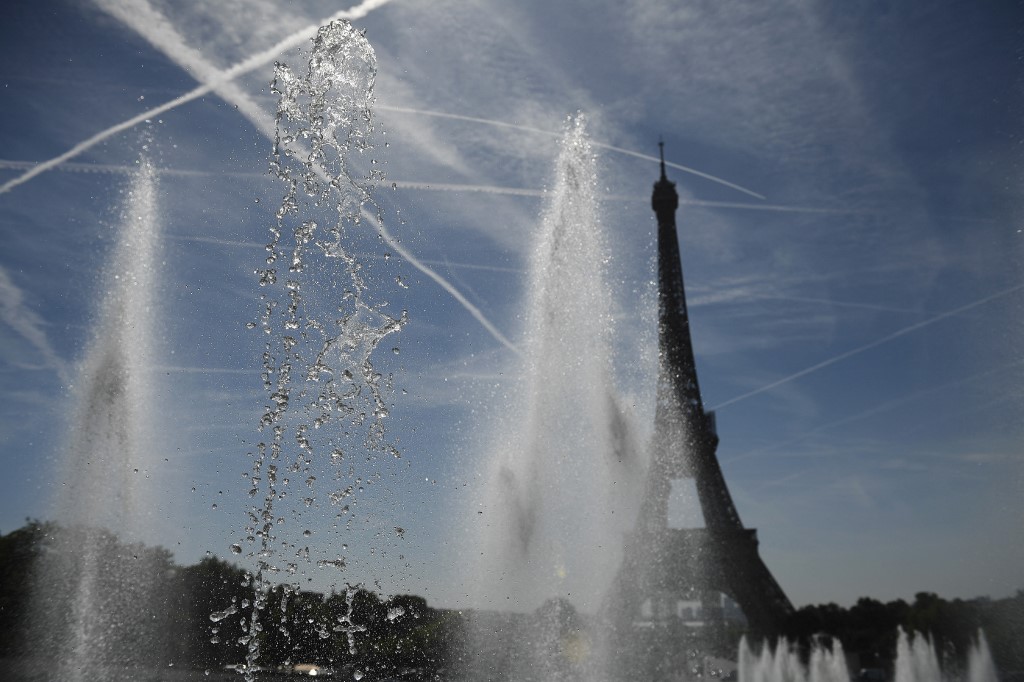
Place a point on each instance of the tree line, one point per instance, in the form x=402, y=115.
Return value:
x=869, y=628
x=196, y=616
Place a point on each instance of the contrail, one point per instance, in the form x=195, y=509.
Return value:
x=841, y=304
x=112, y=169
x=884, y=407
x=149, y=24
x=869, y=346
x=415, y=185
x=473, y=266
x=259, y=245
x=177, y=369
x=685, y=169
x=525, y=192
x=219, y=242
x=784, y=208
x=602, y=145
x=451, y=187
x=441, y=281
x=28, y=325
x=103, y=135
x=223, y=77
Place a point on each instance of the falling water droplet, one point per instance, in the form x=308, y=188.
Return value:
x=218, y=616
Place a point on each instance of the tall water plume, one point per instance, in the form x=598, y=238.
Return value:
x=560, y=487
x=92, y=606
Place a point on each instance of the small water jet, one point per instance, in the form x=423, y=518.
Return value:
x=783, y=663
x=918, y=661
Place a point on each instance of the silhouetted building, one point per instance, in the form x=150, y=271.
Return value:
x=666, y=570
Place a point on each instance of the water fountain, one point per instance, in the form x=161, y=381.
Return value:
x=92, y=606
x=562, y=482
x=323, y=424
x=561, y=485
x=785, y=664
x=916, y=661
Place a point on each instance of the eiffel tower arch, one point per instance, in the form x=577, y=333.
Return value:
x=663, y=565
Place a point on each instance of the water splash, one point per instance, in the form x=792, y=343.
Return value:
x=327, y=402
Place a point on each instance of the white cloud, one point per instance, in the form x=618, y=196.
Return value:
x=18, y=316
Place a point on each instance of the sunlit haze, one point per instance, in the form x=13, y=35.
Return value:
x=850, y=225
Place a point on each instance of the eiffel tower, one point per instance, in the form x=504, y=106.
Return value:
x=664, y=565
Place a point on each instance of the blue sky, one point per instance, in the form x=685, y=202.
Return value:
x=855, y=304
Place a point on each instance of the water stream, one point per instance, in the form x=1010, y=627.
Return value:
x=561, y=484
x=91, y=600
x=323, y=426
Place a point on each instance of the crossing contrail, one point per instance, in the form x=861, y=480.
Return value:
x=149, y=23
x=152, y=26
x=529, y=192
x=540, y=131
x=417, y=185
x=102, y=135
x=868, y=346
x=222, y=78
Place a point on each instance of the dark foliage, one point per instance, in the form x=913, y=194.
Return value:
x=869, y=628
x=197, y=616
x=154, y=612
x=18, y=552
